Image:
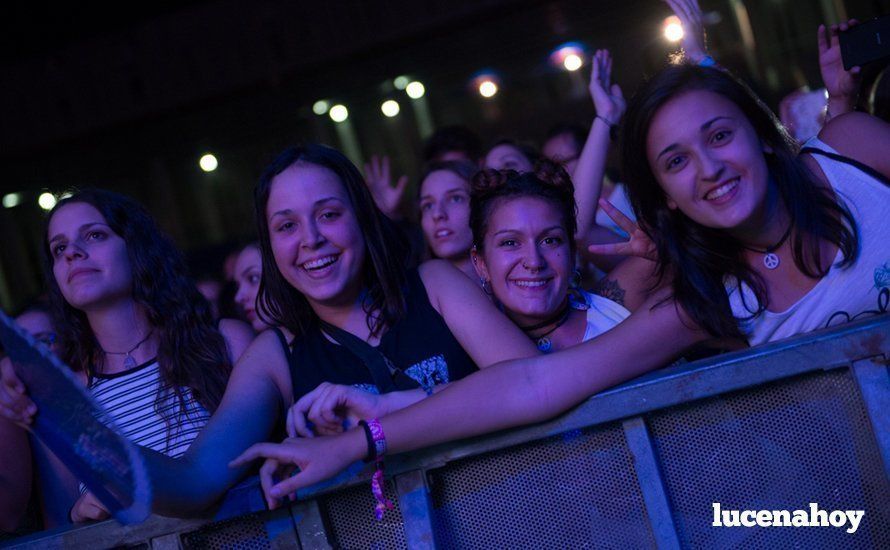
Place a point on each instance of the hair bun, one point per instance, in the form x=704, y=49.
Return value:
x=553, y=174
x=489, y=179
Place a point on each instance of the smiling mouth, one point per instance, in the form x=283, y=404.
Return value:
x=319, y=263
x=442, y=233
x=722, y=190
x=527, y=283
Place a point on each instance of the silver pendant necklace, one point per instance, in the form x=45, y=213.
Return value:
x=129, y=361
x=770, y=258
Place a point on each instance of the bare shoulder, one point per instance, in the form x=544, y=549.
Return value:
x=861, y=137
x=444, y=282
x=238, y=335
x=266, y=355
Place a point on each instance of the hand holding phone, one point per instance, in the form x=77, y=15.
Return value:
x=865, y=42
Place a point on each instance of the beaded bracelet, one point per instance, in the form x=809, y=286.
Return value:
x=376, y=449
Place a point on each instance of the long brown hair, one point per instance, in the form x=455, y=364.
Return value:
x=697, y=258
x=191, y=352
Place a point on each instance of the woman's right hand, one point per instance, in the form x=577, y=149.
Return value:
x=15, y=405
x=328, y=407
x=639, y=244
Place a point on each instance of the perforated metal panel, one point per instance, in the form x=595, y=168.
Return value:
x=349, y=515
x=242, y=533
x=775, y=447
x=577, y=490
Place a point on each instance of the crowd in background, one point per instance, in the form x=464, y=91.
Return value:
x=363, y=321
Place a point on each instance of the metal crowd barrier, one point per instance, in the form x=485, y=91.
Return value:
x=639, y=466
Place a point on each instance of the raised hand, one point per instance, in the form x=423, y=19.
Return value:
x=694, y=43
x=607, y=97
x=639, y=244
x=329, y=407
x=842, y=85
x=313, y=460
x=379, y=179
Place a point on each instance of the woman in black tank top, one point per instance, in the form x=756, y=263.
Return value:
x=351, y=314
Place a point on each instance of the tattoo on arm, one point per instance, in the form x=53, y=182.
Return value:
x=611, y=289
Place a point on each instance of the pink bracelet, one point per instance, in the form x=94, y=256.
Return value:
x=376, y=449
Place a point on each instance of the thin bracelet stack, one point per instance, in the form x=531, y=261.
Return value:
x=376, y=450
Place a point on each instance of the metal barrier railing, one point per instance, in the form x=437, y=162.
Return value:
x=775, y=427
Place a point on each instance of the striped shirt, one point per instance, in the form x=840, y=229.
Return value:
x=129, y=399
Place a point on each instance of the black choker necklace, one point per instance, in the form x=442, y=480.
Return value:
x=542, y=341
x=129, y=362
x=770, y=258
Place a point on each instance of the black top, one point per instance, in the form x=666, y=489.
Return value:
x=420, y=344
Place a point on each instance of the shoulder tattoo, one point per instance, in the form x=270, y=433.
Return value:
x=611, y=289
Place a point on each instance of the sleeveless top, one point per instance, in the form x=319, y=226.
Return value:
x=602, y=314
x=128, y=399
x=420, y=344
x=844, y=294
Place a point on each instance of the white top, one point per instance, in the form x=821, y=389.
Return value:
x=844, y=294
x=602, y=314
x=129, y=399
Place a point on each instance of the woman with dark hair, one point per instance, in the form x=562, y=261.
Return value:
x=760, y=240
x=133, y=324
x=247, y=273
x=445, y=211
x=524, y=249
x=509, y=154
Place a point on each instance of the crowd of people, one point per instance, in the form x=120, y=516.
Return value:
x=723, y=232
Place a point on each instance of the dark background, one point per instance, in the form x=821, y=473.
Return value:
x=129, y=97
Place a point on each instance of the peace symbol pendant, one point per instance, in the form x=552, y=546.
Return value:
x=544, y=344
x=770, y=260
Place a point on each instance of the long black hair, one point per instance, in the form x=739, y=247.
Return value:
x=386, y=250
x=698, y=259
x=191, y=351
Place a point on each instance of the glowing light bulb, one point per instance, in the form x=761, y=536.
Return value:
x=12, y=200
x=390, y=108
x=487, y=88
x=415, y=90
x=46, y=201
x=401, y=82
x=320, y=107
x=673, y=29
x=339, y=113
x=208, y=163
x=572, y=62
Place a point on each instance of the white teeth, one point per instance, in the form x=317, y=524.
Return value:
x=722, y=190
x=530, y=284
x=443, y=232
x=320, y=262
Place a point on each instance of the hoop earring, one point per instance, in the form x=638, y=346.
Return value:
x=486, y=286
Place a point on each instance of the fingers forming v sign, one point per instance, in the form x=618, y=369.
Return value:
x=639, y=244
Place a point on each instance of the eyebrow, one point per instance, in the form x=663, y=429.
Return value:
x=551, y=228
x=79, y=230
x=288, y=211
x=701, y=128
x=452, y=190
x=248, y=269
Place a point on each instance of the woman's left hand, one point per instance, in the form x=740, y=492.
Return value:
x=607, y=97
x=296, y=462
x=639, y=243
x=842, y=85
